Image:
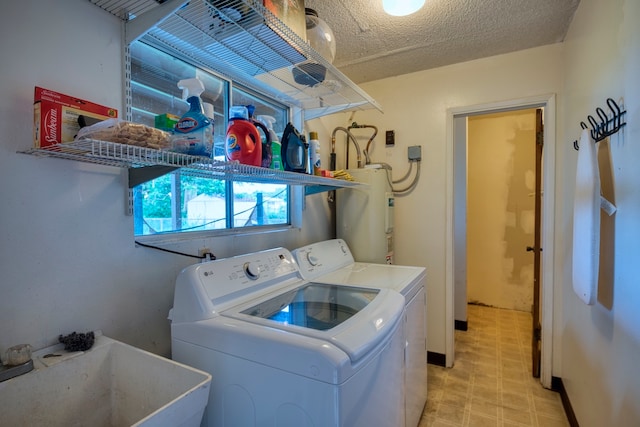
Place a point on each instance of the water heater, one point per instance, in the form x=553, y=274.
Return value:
x=364, y=216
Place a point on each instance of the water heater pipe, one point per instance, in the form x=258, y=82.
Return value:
x=349, y=137
x=355, y=125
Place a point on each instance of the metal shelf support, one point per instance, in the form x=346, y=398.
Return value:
x=139, y=176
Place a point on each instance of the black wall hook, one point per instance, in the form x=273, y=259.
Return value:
x=606, y=126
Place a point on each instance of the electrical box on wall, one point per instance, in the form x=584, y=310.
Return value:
x=390, y=138
x=415, y=153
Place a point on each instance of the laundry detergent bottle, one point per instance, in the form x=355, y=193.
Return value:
x=276, y=147
x=243, y=142
x=193, y=134
x=265, y=138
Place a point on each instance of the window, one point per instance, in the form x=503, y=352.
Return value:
x=177, y=202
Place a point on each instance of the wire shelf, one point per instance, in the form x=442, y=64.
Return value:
x=254, y=48
x=131, y=156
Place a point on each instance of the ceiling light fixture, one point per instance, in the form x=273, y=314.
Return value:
x=401, y=7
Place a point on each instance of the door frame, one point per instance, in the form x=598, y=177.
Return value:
x=453, y=139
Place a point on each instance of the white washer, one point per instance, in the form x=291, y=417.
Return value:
x=331, y=261
x=283, y=351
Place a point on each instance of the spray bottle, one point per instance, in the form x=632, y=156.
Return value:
x=194, y=131
x=209, y=113
x=276, y=147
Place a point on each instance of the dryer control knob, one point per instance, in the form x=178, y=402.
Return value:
x=344, y=249
x=313, y=260
x=252, y=271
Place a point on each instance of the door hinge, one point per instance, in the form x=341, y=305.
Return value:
x=537, y=333
x=540, y=138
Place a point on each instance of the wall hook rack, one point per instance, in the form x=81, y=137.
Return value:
x=607, y=125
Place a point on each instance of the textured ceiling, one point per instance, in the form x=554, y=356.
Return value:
x=372, y=45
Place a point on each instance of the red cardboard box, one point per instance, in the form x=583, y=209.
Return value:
x=55, y=116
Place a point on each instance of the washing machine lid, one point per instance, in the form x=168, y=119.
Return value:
x=402, y=279
x=354, y=319
x=314, y=306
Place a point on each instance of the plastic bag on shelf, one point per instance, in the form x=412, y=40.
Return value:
x=124, y=132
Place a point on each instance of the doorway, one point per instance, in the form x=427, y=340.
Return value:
x=456, y=277
x=500, y=214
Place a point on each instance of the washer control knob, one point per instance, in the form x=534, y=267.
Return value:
x=344, y=249
x=313, y=260
x=252, y=271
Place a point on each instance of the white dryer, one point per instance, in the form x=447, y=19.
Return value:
x=331, y=261
x=283, y=351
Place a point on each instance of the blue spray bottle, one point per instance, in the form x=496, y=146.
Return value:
x=194, y=131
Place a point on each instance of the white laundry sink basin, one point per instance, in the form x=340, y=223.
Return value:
x=112, y=384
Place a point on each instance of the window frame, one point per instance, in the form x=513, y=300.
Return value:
x=295, y=198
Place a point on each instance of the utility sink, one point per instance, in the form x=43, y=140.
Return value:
x=111, y=385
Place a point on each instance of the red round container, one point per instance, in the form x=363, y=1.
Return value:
x=243, y=142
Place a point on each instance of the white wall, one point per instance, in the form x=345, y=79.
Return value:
x=415, y=106
x=500, y=208
x=67, y=256
x=600, y=346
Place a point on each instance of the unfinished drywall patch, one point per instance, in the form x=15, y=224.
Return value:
x=500, y=209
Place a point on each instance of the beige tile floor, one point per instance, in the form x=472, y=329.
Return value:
x=491, y=383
